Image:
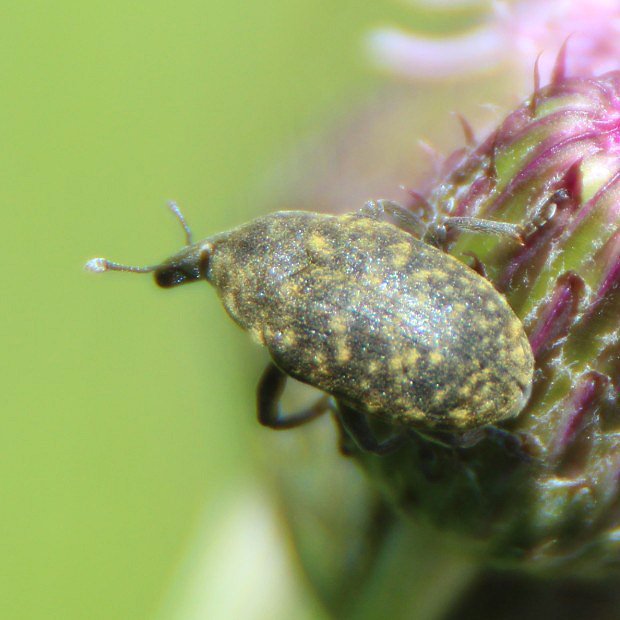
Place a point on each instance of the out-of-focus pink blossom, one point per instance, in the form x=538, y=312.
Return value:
x=514, y=34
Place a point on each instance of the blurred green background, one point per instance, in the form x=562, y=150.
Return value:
x=128, y=411
x=128, y=475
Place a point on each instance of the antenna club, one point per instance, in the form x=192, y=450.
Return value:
x=97, y=265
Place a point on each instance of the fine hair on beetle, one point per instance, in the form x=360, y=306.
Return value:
x=359, y=307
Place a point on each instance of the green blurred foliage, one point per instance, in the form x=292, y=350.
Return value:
x=127, y=409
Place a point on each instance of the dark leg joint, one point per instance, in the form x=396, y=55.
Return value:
x=270, y=389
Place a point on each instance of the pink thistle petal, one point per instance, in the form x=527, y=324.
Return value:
x=419, y=57
x=516, y=33
x=446, y=4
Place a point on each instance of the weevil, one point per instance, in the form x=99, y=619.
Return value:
x=381, y=321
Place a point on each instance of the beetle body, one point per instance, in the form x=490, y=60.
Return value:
x=385, y=323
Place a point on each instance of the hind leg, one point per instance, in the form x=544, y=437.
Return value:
x=268, y=395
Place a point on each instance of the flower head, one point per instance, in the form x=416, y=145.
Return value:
x=543, y=491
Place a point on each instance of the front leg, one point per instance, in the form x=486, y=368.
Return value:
x=435, y=232
x=407, y=221
x=438, y=232
x=268, y=395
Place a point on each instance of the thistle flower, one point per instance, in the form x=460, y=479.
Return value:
x=544, y=493
x=511, y=34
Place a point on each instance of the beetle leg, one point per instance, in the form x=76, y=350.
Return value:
x=437, y=438
x=477, y=225
x=346, y=445
x=268, y=394
x=435, y=233
x=520, y=445
x=359, y=430
x=407, y=221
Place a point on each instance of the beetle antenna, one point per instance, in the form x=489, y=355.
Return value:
x=174, y=207
x=99, y=265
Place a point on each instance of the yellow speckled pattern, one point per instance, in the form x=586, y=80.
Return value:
x=385, y=323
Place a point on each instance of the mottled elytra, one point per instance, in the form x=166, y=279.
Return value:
x=382, y=322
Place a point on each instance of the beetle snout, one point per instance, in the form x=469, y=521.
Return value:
x=189, y=265
x=173, y=275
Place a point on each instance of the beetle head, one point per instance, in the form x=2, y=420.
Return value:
x=188, y=265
